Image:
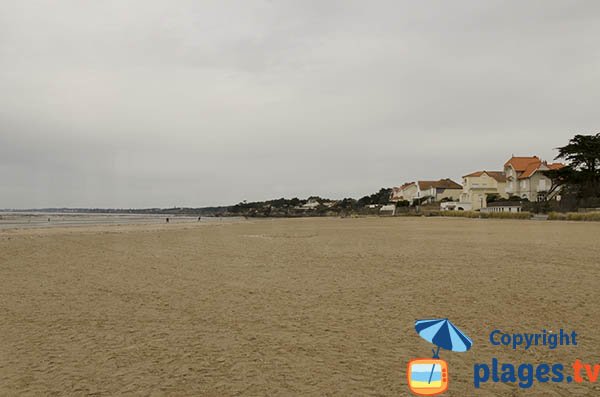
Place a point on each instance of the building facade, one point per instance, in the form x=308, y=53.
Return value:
x=503, y=206
x=422, y=192
x=435, y=191
x=478, y=185
x=525, y=177
x=407, y=191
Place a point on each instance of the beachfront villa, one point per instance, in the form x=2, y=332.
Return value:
x=435, y=191
x=478, y=185
x=405, y=192
x=424, y=192
x=522, y=177
x=525, y=178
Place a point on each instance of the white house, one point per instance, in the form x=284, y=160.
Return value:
x=427, y=191
x=503, y=206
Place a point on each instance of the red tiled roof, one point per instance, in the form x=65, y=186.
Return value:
x=423, y=185
x=497, y=175
x=532, y=168
x=474, y=174
x=441, y=184
x=520, y=164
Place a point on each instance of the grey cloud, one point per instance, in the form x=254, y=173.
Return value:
x=158, y=103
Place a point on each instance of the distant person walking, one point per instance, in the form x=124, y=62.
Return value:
x=167, y=220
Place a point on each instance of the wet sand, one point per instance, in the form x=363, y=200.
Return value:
x=287, y=307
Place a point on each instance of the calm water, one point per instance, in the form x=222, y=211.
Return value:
x=12, y=220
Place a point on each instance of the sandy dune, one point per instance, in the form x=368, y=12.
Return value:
x=287, y=307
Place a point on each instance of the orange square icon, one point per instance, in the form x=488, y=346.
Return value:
x=427, y=376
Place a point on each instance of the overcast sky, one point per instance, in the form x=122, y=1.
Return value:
x=194, y=103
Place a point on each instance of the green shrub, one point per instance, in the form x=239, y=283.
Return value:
x=461, y=214
x=506, y=215
x=575, y=216
x=486, y=215
x=591, y=216
x=557, y=216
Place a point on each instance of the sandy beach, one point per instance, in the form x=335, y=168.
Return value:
x=287, y=307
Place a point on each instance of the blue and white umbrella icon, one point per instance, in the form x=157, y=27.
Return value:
x=442, y=333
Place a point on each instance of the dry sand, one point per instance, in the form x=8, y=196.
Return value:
x=287, y=307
